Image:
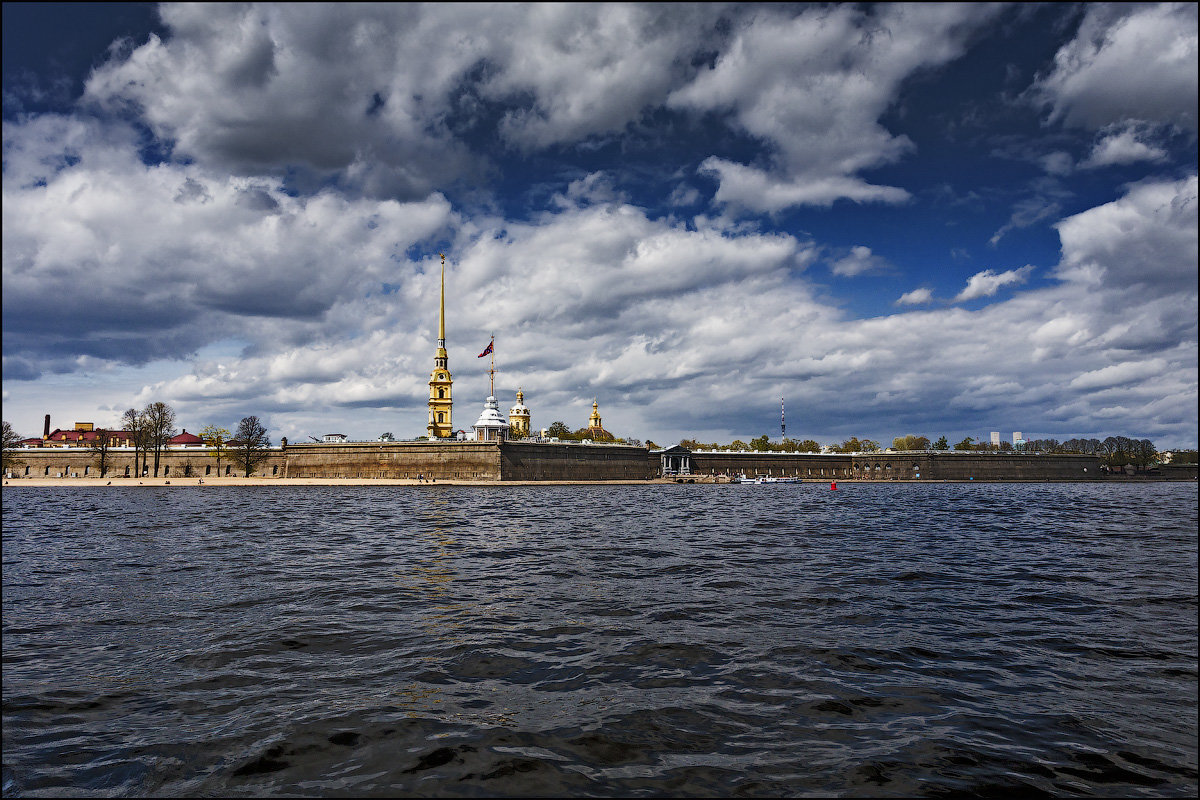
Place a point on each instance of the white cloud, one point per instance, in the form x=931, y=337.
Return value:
x=1119, y=374
x=814, y=85
x=988, y=282
x=916, y=297
x=1123, y=144
x=1144, y=241
x=1127, y=62
x=858, y=261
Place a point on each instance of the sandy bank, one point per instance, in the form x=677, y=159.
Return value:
x=194, y=483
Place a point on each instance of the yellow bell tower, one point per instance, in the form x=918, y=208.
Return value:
x=440, y=383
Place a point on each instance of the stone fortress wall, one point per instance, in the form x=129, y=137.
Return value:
x=569, y=461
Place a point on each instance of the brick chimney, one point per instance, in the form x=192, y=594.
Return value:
x=46, y=429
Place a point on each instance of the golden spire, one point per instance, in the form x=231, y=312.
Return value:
x=442, y=307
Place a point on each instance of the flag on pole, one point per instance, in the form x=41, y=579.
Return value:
x=487, y=349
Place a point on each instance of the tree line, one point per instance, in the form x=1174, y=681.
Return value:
x=150, y=430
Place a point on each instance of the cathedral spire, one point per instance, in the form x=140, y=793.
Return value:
x=442, y=308
x=441, y=403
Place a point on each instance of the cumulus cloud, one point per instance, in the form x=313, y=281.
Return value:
x=858, y=261
x=146, y=262
x=988, y=282
x=814, y=86
x=1143, y=243
x=916, y=297
x=1127, y=62
x=1124, y=144
x=257, y=87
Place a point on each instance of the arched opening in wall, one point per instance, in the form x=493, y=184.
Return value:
x=127, y=472
x=208, y=469
x=47, y=470
x=227, y=469
x=275, y=469
x=441, y=417
x=441, y=394
x=887, y=471
x=166, y=470
x=27, y=470
x=87, y=471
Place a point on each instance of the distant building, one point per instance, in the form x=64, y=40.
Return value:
x=595, y=426
x=518, y=417
x=334, y=438
x=490, y=427
x=185, y=439
x=995, y=438
x=441, y=384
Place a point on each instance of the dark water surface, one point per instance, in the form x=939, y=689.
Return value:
x=615, y=640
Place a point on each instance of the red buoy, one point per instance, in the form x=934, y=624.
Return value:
x=833, y=486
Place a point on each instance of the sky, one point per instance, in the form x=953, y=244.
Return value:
x=926, y=219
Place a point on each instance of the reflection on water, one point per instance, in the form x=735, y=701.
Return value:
x=678, y=640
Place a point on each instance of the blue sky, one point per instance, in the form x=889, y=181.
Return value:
x=931, y=219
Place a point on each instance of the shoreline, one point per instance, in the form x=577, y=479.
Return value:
x=184, y=483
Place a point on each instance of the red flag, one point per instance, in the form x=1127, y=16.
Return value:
x=487, y=349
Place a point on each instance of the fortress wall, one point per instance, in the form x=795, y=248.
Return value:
x=952, y=466
x=437, y=460
x=801, y=465
x=1004, y=466
x=544, y=461
x=198, y=462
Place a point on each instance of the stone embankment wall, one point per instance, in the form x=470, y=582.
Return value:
x=900, y=466
x=798, y=465
x=438, y=460
x=538, y=461
x=198, y=462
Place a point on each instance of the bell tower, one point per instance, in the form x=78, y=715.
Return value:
x=440, y=383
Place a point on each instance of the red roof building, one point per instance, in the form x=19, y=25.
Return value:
x=186, y=439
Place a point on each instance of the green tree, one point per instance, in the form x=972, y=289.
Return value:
x=966, y=444
x=99, y=448
x=760, y=444
x=851, y=445
x=250, y=444
x=738, y=446
x=558, y=430
x=216, y=438
x=941, y=444
x=870, y=446
x=809, y=446
x=160, y=424
x=8, y=457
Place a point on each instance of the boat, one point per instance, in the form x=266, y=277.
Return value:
x=760, y=479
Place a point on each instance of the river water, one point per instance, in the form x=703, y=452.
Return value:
x=878, y=640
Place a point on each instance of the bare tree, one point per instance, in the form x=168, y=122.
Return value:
x=135, y=425
x=99, y=448
x=8, y=458
x=160, y=422
x=249, y=444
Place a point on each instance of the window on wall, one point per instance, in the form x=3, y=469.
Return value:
x=441, y=393
x=275, y=470
x=208, y=469
x=441, y=417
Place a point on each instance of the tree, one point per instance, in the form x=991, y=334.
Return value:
x=99, y=448
x=808, y=446
x=870, y=446
x=218, y=439
x=160, y=425
x=7, y=456
x=737, y=445
x=851, y=445
x=910, y=442
x=760, y=444
x=966, y=444
x=137, y=427
x=249, y=445
x=941, y=444
x=558, y=430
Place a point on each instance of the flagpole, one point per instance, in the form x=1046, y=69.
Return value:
x=492, y=371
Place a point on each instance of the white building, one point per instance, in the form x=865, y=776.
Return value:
x=490, y=427
x=995, y=438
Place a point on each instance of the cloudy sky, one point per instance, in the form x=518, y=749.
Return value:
x=929, y=219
